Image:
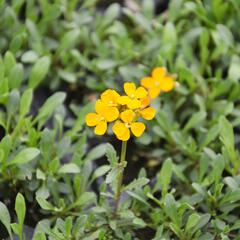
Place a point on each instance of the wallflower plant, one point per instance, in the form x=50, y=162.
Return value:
x=127, y=112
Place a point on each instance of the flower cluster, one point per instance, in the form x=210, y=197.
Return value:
x=126, y=111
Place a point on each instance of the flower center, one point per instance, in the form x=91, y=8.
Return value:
x=127, y=125
x=110, y=102
x=156, y=84
x=132, y=96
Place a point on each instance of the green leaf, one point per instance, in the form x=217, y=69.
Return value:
x=44, y=204
x=20, y=208
x=227, y=138
x=137, y=183
x=171, y=209
x=96, y=152
x=69, y=39
x=39, y=236
x=80, y=121
x=232, y=184
x=139, y=222
x=211, y=135
x=16, y=229
x=29, y=57
x=199, y=189
x=67, y=76
x=111, y=155
x=234, y=71
x=1, y=156
x=39, y=71
x=138, y=197
x=9, y=62
x=86, y=199
x=192, y=221
x=25, y=102
x=113, y=174
x=225, y=34
x=203, y=220
x=69, y=168
x=231, y=197
x=105, y=64
x=164, y=177
x=13, y=102
x=50, y=105
x=16, y=76
x=176, y=229
x=25, y=156
x=5, y=218
x=101, y=171
x=226, y=132
x=195, y=120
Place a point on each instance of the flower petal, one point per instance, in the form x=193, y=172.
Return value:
x=100, y=107
x=92, y=119
x=101, y=128
x=145, y=102
x=141, y=92
x=159, y=72
x=154, y=92
x=125, y=136
x=133, y=104
x=129, y=88
x=120, y=130
x=123, y=100
x=167, y=84
x=127, y=116
x=148, y=113
x=110, y=97
x=147, y=82
x=111, y=114
x=137, y=128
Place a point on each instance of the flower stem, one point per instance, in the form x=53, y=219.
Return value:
x=120, y=176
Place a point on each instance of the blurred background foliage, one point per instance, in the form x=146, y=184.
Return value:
x=57, y=56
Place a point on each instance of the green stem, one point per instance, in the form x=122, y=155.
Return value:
x=120, y=176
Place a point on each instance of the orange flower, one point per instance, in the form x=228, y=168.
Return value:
x=132, y=100
x=103, y=115
x=159, y=81
x=122, y=129
x=145, y=102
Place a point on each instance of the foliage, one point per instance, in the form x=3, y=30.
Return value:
x=59, y=179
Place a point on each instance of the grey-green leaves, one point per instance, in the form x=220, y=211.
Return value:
x=5, y=218
x=25, y=102
x=164, y=177
x=24, y=156
x=20, y=208
x=227, y=137
x=39, y=71
x=49, y=106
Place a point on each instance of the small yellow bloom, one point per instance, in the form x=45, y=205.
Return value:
x=148, y=113
x=159, y=81
x=122, y=129
x=132, y=100
x=145, y=102
x=103, y=115
x=110, y=98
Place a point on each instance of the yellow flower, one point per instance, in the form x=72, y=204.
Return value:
x=110, y=98
x=132, y=100
x=148, y=113
x=103, y=115
x=159, y=81
x=145, y=102
x=122, y=129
